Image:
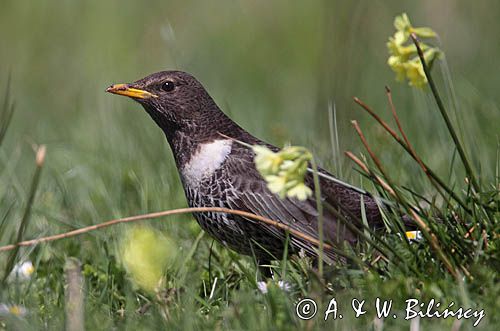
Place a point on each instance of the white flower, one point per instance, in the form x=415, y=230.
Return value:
x=23, y=271
x=284, y=286
x=15, y=310
x=262, y=286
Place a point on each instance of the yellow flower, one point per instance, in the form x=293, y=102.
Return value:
x=293, y=152
x=414, y=235
x=424, y=32
x=402, y=22
x=432, y=54
x=403, y=26
x=398, y=67
x=284, y=171
x=415, y=73
x=399, y=38
x=266, y=161
x=276, y=184
x=299, y=191
x=145, y=254
x=403, y=57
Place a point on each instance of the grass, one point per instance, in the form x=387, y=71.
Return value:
x=105, y=159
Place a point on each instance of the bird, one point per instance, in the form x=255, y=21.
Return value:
x=218, y=171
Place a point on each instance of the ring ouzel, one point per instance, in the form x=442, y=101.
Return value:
x=219, y=172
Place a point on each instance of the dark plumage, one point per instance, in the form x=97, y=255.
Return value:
x=218, y=172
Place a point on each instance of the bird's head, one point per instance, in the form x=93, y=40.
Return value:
x=173, y=99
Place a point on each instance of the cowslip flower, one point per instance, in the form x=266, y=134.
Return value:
x=415, y=73
x=403, y=26
x=284, y=171
x=300, y=191
x=276, y=184
x=146, y=252
x=267, y=161
x=403, y=58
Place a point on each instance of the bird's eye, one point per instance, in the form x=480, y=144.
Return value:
x=168, y=86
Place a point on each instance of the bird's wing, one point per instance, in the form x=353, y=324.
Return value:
x=350, y=200
x=249, y=192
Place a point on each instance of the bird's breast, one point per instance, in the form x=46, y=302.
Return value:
x=205, y=161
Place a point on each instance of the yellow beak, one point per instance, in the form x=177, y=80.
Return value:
x=126, y=90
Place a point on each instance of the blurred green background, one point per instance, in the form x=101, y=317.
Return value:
x=272, y=66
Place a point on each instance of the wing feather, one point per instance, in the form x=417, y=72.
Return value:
x=249, y=192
